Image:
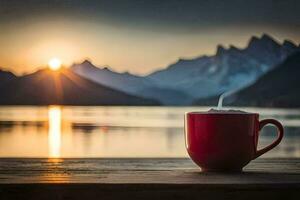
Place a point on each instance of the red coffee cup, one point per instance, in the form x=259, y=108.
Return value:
x=225, y=141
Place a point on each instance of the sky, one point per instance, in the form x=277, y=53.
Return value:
x=138, y=36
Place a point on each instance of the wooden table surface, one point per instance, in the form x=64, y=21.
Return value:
x=144, y=179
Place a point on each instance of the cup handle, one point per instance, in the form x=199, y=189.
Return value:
x=276, y=142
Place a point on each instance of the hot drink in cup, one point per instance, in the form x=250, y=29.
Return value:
x=225, y=140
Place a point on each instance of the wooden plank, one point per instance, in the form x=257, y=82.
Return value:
x=144, y=179
x=164, y=171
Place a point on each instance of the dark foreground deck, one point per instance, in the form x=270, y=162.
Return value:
x=145, y=179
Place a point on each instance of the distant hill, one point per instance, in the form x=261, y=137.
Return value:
x=64, y=87
x=278, y=88
x=122, y=81
x=203, y=77
x=6, y=76
x=129, y=83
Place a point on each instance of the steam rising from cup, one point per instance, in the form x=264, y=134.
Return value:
x=224, y=95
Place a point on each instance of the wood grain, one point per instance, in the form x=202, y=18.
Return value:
x=144, y=179
x=175, y=171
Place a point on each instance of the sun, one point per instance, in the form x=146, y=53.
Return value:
x=54, y=64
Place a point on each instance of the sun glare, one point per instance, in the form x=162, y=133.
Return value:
x=54, y=64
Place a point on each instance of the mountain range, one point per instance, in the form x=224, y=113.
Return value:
x=279, y=87
x=187, y=81
x=63, y=87
x=206, y=76
x=129, y=83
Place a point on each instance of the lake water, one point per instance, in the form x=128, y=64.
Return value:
x=67, y=131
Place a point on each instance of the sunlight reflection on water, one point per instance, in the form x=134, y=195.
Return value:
x=54, y=131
